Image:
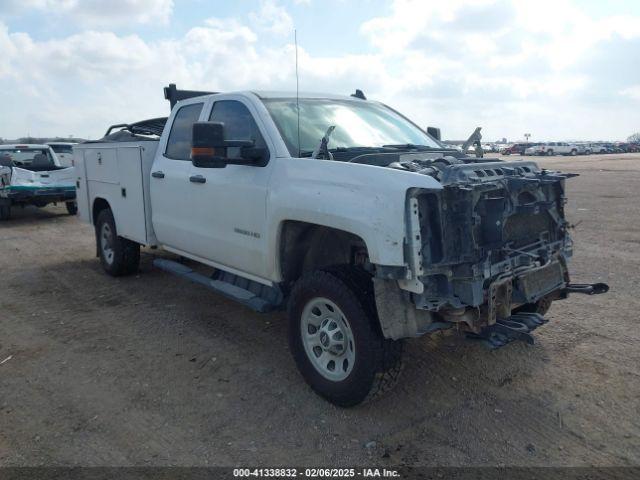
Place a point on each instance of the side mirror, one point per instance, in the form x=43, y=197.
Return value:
x=434, y=132
x=208, y=148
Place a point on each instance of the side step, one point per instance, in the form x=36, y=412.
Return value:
x=517, y=327
x=254, y=295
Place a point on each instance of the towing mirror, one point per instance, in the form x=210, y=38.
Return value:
x=210, y=149
x=434, y=132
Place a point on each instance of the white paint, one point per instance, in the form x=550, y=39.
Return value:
x=201, y=221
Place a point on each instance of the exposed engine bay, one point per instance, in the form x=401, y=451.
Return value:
x=493, y=243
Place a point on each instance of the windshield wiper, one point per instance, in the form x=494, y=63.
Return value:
x=403, y=146
x=409, y=146
x=322, y=150
x=351, y=149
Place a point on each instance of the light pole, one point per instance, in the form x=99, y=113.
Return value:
x=526, y=136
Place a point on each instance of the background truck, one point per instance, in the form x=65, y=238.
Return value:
x=557, y=148
x=32, y=175
x=365, y=228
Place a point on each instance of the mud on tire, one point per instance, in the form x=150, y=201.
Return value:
x=377, y=362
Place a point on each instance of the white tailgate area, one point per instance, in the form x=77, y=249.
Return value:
x=118, y=173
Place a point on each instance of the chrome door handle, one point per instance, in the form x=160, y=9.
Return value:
x=197, y=179
x=157, y=174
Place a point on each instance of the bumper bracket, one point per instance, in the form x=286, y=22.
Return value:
x=517, y=327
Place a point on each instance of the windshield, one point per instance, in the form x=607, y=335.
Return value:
x=358, y=124
x=23, y=157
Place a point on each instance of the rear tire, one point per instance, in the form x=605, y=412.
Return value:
x=549, y=152
x=335, y=338
x=5, y=212
x=72, y=208
x=118, y=255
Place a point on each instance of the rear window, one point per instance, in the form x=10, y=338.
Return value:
x=24, y=157
x=62, y=148
x=179, y=142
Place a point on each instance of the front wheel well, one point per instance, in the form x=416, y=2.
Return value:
x=305, y=247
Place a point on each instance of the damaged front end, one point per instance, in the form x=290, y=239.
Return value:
x=487, y=253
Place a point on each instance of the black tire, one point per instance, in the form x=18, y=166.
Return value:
x=549, y=152
x=574, y=152
x=125, y=254
x=377, y=361
x=72, y=208
x=5, y=212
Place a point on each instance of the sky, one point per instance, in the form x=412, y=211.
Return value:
x=557, y=69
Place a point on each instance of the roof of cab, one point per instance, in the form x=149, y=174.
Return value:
x=27, y=145
x=284, y=94
x=315, y=95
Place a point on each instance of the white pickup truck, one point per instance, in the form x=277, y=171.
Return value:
x=32, y=175
x=366, y=228
x=555, y=148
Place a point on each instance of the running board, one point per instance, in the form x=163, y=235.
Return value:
x=252, y=294
x=517, y=327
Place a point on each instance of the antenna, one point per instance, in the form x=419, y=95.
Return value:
x=295, y=39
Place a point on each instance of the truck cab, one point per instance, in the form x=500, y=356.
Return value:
x=64, y=152
x=364, y=227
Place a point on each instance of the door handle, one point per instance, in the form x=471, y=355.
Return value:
x=157, y=174
x=197, y=179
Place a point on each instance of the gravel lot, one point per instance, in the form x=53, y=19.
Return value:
x=151, y=370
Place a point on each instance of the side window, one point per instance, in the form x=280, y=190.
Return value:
x=239, y=124
x=179, y=143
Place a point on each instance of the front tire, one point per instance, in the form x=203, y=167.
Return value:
x=72, y=208
x=549, y=152
x=118, y=255
x=335, y=338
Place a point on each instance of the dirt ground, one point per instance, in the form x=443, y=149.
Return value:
x=151, y=370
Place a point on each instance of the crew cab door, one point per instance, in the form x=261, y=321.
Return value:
x=171, y=191
x=229, y=204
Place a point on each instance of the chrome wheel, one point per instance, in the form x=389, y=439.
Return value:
x=327, y=338
x=106, y=243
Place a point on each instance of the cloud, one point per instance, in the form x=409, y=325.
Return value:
x=508, y=66
x=96, y=13
x=272, y=18
x=632, y=92
x=517, y=60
